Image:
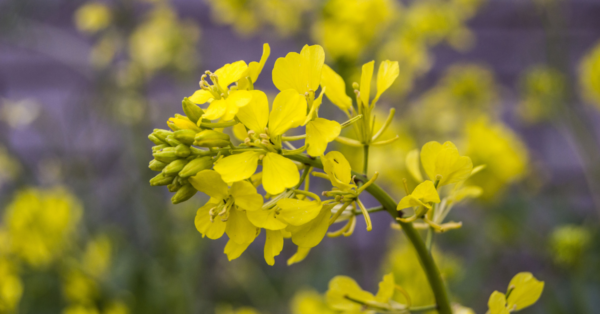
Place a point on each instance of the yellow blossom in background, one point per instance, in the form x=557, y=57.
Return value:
x=9, y=166
x=97, y=256
x=92, y=17
x=501, y=151
x=345, y=294
x=309, y=302
x=78, y=287
x=345, y=33
x=162, y=40
x=589, y=76
x=11, y=287
x=569, y=243
x=248, y=17
x=41, y=224
x=542, y=87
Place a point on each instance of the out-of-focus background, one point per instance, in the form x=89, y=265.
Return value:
x=514, y=83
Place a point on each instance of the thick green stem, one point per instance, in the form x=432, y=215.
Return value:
x=365, y=159
x=425, y=258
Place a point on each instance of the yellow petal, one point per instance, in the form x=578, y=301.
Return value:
x=279, y=173
x=183, y=123
x=201, y=96
x=336, y=88
x=216, y=109
x=212, y=230
x=497, y=303
x=299, y=256
x=265, y=218
x=319, y=133
x=338, y=169
x=410, y=201
x=289, y=111
x=429, y=154
x=342, y=286
x=287, y=73
x=256, y=114
x=412, y=164
x=365, y=82
x=273, y=246
x=210, y=183
x=426, y=192
x=313, y=58
x=386, y=289
x=239, y=228
x=240, y=132
x=234, y=249
x=230, y=73
x=298, y=212
x=387, y=74
x=237, y=167
x=256, y=67
x=526, y=290
x=300, y=72
x=310, y=234
x=245, y=196
x=235, y=101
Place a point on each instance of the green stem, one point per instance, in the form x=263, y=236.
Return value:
x=365, y=159
x=423, y=308
x=425, y=258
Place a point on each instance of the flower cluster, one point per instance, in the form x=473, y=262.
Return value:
x=196, y=155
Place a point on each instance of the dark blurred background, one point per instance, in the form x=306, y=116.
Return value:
x=516, y=84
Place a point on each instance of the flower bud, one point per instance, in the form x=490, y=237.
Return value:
x=174, y=167
x=166, y=155
x=158, y=148
x=195, y=166
x=182, y=123
x=161, y=179
x=185, y=136
x=172, y=141
x=183, y=194
x=155, y=139
x=191, y=110
x=162, y=134
x=175, y=186
x=210, y=138
x=182, y=151
x=156, y=165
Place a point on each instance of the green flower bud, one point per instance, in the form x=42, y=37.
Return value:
x=172, y=141
x=196, y=166
x=210, y=138
x=158, y=148
x=191, y=110
x=155, y=139
x=156, y=165
x=174, y=167
x=161, y=179
x=200, y=152
x=166, y=155
x=183, y=194
x=175, y=186
x=162, y=134
x=182, y=150
x=185, y=136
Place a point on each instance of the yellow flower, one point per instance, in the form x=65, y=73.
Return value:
x=279, y=173
x=444, y=161
x=226, y=210
x=300, y=71
x=225, y=102
x=339, y=171
x=319, y=133
x=92, y=17
x=386, y=75
x=345, y=294
x=309, y=302
x=589, y=76
x=11, y=288
x=289, y=211
x=424, y=194
x=523, y=291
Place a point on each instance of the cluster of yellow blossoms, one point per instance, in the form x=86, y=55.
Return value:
x=196, y=155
